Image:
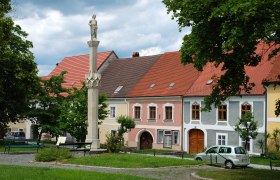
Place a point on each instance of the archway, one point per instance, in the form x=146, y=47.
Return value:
x=196, y=141
x=146, y=140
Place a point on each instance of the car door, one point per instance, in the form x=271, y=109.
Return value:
x=211, y=154
x=222, y=154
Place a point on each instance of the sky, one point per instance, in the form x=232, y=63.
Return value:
x=59, y=28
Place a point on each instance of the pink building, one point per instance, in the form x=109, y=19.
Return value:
x=156, y=104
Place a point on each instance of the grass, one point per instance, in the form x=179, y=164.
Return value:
x=2, y=149
x=130, y=161
x=264, y=161
x=238, y=174
x=19, y=172
x=162, y=152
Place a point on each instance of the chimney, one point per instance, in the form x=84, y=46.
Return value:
x=135, y=54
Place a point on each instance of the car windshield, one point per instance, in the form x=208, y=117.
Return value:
x=239, y=150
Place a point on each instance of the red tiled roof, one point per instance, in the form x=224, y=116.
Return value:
x=168, y=69
x=77, y=67
x=257, y=74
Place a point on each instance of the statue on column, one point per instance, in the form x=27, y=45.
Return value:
x=93, y=27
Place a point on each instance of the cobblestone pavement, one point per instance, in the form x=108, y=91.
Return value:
x=159, y=173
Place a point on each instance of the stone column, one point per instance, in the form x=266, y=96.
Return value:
x=92, y=83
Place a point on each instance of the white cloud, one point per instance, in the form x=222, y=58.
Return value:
x=142, y=26
x=150, y=51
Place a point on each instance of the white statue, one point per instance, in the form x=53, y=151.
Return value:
x=93, y=27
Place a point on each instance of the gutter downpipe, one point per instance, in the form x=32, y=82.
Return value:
x=182, y=129
x=265, y=123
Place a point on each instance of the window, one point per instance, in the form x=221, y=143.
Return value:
x=175, y=139
x=221, y=139
x=212, y=150
x=168, y=112
x=20, y=130
x=152, y=112
x=137, y=110
x=248, y=147
x=160, y=136
x=226, y=150
x=167, y=139
x=195, y=112
x=246, y=107
x=113, y=132
x=222, y=113
x=112, y=112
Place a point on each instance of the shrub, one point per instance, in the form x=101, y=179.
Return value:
x=113, y=143
x=274, y=155
x=52, y=154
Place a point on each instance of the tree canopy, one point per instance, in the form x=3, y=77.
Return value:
x=45, y=108
x=74, y=113
x=18, y=71
x=226, y=32
x=247, y=128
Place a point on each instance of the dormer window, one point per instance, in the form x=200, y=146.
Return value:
x=209, y=82
x=171, y=85
x=118, y=89
x=152, y=86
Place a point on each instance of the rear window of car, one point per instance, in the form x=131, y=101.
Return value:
x=239, y=150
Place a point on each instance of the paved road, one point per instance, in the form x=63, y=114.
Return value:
x=159, y=173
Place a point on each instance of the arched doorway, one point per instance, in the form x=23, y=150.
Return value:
x=146, y=140
x=196, y=141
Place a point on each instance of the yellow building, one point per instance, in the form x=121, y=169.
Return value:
x=273, y=94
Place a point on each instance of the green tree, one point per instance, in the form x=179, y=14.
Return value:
x=115, y=143
x=247, y=128
x=73, y=118
x=45, y=109
x=226, y=32
x=126, y=124
x=18, y=71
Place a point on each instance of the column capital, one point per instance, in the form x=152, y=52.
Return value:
x=93, y=80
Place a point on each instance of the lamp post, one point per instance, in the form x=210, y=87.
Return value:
x=92, y=83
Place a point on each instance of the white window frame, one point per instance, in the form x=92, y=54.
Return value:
x=114, y=132
x=20, y=130
x=173, y=137
x=245, y=102
x=199, y=104
x=217, y=139
x=111, y=117
x=164, y=113
x=250, y=144
x=148, y=110
x=133, y=110
x=161, y=141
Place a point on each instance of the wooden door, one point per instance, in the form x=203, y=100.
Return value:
x=146, y=141
x=196, y=141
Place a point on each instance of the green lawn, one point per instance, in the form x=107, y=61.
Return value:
x=162, y=152
x=2, y=149
x=264, y=161
x=130, y=161
x=238, y=174
x=19, y=172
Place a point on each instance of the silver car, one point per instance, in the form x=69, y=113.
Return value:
x=229, y=156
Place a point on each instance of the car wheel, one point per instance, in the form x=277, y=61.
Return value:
x=229, y=165
x=198, y=159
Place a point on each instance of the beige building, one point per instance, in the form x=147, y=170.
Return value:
x=116, y=108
